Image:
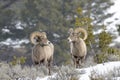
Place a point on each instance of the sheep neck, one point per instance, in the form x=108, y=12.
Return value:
x=42, y=45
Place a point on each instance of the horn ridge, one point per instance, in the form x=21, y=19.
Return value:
x=78, y=30
x=33, y=35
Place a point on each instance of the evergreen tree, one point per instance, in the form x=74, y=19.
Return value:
x=85, y=22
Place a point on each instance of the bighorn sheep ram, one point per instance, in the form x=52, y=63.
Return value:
x=43, y=50
x=78, y=47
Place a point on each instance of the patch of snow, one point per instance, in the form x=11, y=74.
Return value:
x=75, y=16
x=26, y=78
x=103, y=5
x=93, y=4
x=5, y=30
x=117, y=39
x=97, y=32
x=116, y=78
x=18, y=25
x=47, y=77
x=56, y=35
x=14, y=43
x=68, y=17
x=24, y=41
x=112, y=44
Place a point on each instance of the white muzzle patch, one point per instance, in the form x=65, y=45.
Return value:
x=69, y=40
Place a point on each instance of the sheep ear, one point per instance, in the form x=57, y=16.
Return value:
x=78, y=34
x=44, y=34
x=70, y=30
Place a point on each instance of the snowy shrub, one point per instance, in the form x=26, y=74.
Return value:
x=9, y=72
x=112, y=57
x=94, y=76
x=105, y=57
x=100, y=58
x=66, y=73
x=110, y=75
x=114, y=73
x=18, y=72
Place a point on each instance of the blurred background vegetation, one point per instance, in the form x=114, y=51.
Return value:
x=18, y=18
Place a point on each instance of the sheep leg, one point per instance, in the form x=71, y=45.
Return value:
x=77, y=63
x=74, y=61
x=49, y=70
x=50, y=62
x=36, y=62
x=48, y=67
x=82, y=60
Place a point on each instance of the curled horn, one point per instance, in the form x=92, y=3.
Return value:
x=34, y=36
x=78, y=30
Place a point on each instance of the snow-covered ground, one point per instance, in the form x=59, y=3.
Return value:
x=100, y=69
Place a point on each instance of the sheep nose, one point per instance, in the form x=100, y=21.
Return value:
x=68, y=39
x=49, y=42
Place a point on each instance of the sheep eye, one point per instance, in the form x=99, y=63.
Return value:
x=41, y=37
x=73, y=34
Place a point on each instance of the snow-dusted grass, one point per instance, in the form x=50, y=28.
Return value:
x=105, y=71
